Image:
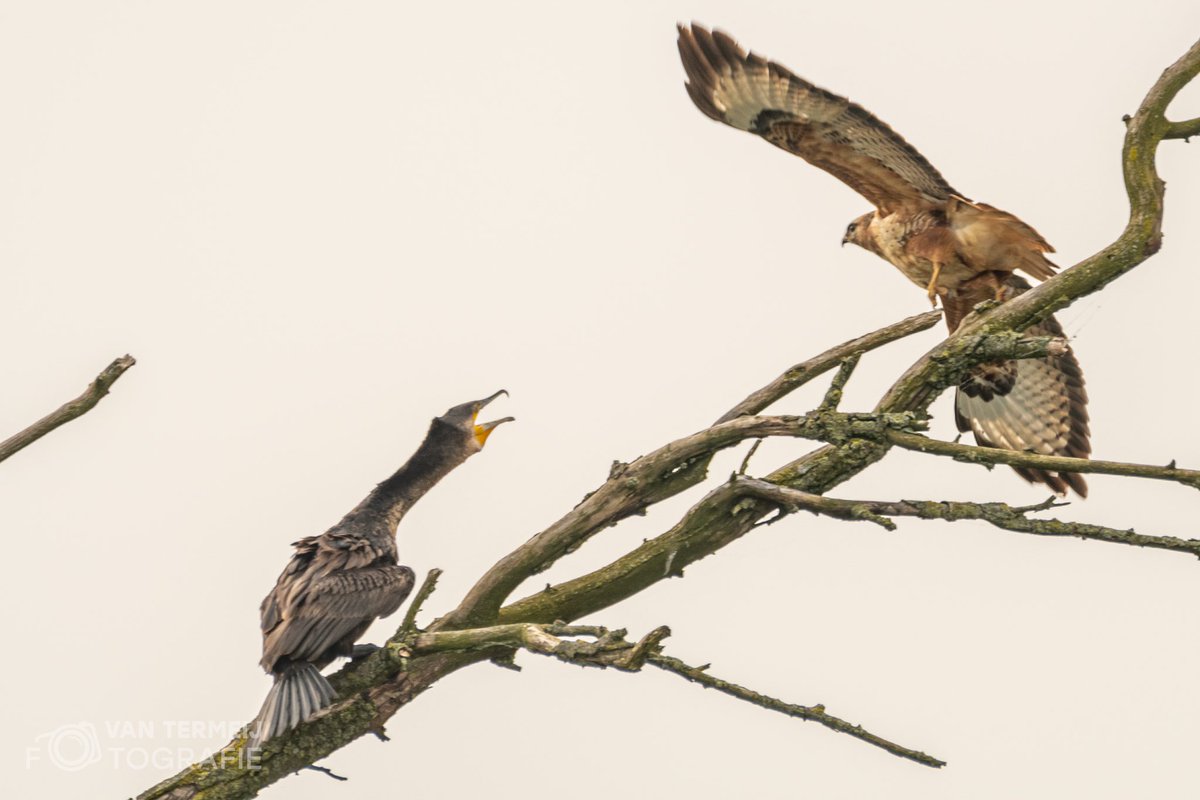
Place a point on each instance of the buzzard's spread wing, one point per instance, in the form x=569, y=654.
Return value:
x=844, y=139
x=1037, y=405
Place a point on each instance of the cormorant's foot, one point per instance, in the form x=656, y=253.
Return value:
x=362, y=650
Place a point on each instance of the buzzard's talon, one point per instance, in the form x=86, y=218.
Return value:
x=932, y=289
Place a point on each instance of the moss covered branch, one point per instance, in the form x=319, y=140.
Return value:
x=664, y=473
x=1183, y=130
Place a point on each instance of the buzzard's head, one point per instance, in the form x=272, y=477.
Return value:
x=857, y=232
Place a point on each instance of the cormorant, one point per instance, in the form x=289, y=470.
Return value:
x=340, y=582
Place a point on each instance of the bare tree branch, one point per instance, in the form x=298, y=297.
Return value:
x=1183, y=130
x=1000, y=515
x=663, y=473
x=815, y=713
x=374, y=688
x=610, y=649
x=92, y=395
x=988, y=456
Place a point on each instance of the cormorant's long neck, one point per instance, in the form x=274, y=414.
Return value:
x=390, y=500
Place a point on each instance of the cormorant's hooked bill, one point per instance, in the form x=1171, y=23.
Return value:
x=482, y=430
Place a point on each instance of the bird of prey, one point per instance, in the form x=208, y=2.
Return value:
x=340, y=582
x=961, y=251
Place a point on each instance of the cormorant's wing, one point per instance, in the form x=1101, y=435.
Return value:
x=336, y=605
x=751, y=93
x=334, y=586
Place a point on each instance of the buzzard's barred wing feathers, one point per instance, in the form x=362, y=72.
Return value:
x=747, y=91
x=1037, y=405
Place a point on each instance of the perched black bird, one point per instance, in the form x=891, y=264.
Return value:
x=340, y=582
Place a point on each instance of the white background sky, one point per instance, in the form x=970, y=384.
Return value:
x=318, y=224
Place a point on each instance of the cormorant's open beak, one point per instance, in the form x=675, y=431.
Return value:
x=484, y=430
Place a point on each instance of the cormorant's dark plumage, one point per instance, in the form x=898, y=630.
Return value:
x=340, y=582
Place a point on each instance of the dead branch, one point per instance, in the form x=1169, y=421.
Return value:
x=1001, y=515
x=989, y=456
x=374, y=688
x=92, y=395
x=815, y=713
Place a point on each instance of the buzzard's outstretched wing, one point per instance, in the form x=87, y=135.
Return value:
x=843, y=138
x=1037, y=405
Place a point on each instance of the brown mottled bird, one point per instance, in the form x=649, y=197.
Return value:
x=340, y=582
x=962, y=251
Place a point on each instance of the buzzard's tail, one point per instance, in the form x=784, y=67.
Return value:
x=300, y=691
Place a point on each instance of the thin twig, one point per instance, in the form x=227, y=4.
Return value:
x=92, y=395
x=814, y=713
x=326, y=771
x=749, y=455
x=409, y=625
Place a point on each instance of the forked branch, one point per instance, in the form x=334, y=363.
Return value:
x=609, y=648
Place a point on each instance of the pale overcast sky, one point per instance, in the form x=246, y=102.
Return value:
x=317, y=225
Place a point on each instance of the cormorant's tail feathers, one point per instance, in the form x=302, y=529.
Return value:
x=299, y=693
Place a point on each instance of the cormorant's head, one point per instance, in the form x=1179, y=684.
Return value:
x=857, y=232
x=464, y=417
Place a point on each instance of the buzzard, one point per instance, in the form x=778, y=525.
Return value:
x=958, y=250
